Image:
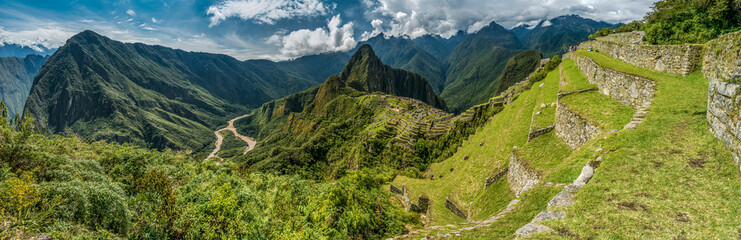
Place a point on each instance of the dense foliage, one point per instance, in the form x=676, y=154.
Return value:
x=632, y=26
x=69, y=189
x=691, y=21
x=685, y=21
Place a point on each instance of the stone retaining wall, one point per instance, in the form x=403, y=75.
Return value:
x=453, y=208
x=571, y=128
x=634, y=37
x=519, y=177
x=496, y=177
x=675, y=59
x=628, y=89
x=722, y=68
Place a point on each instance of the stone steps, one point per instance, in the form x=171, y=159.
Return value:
x=563, y=199
x=638, y=116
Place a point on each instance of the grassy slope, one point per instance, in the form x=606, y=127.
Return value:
x=669, y=178
x=465, y=183
x=556, y=163
x=575, y=80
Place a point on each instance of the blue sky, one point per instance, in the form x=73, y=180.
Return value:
x=280, y=29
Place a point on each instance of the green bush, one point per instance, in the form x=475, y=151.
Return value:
x=685, y=21
x=95, y=204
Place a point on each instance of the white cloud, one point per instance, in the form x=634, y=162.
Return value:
x=154, y=20
x=418, y=17
x=131, y=12
x=546, y=23
x=265, y=11
x=146, y=27
x=36, y=39
x=377, y=29
x=304, y=42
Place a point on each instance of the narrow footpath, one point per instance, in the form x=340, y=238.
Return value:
x=220, y=139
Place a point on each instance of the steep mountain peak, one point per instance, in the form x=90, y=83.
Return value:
x=365, y=50
x=88, y=37
x=365, y=72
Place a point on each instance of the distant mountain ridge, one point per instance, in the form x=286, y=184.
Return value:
x=16, y=78
x=554, y=36
x=99, y=88
x=15, y=50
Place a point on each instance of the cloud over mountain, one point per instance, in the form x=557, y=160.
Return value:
x=335, y=37
x=265, y=11
x=419, y=17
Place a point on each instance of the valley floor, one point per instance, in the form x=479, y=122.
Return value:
x=220, y=138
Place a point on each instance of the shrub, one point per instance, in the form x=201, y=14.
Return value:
x=18, y=194
x=95, y=204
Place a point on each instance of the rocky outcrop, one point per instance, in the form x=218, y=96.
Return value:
x=520, y=178
x=722, y=68
x=675, y=59
x=571, y=128
x=631, y=90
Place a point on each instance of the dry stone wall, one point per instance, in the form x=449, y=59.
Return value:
x=628, y=89
x=453, y=208
x=571, y=128
x=519, y=177
x=634, y=37
x=675, y=59
x=722, y=68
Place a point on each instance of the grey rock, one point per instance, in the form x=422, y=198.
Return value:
x=531, y=228
x=548, y=215
x=562, y=199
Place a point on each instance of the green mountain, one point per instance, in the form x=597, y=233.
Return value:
x=475, y=65
x=401, y=52
x=518, y=68
x=366, y=72
x=347, y=122
x=16, y=78
x=99, y=88
x=554, y=36
x=438, y=46
x=315, y=68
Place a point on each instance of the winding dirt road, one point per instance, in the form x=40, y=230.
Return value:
x=220, y=138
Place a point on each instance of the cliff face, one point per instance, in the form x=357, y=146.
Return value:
x=365, y=72
x=16, y=78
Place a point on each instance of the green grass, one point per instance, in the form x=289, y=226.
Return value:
x=575, y=79
x=543, y=154
x=548, y=95
x=599, y=110
x=668, y=178
x=465, y=184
